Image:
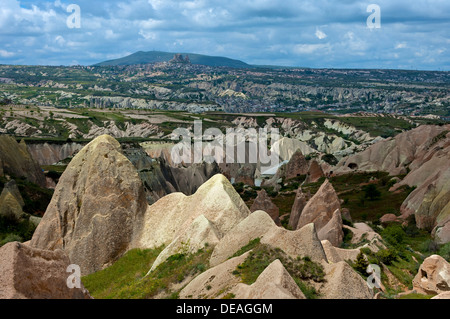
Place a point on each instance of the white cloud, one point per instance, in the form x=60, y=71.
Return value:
x=400, y=45
x=320, y=34
x=6, y=54
x=310, y=48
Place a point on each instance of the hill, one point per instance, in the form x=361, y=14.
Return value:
x=159, y=56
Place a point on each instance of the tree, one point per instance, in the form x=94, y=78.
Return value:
x=361, y=264
x=371, y=192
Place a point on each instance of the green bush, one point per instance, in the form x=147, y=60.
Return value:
x=386, y=256
x=361, y=264
x=444, y=251
x=393, y=235
x=371, y=192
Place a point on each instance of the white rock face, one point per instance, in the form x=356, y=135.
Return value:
x=199, y=233
x=273, y=283
x=302, y=242
x=173, y=214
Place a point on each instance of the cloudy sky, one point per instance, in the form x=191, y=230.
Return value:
x=414, y=34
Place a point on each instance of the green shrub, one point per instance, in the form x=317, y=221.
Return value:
x=361, y=264
x=386, y=256
x=371, y=192
x=394, y=235
x=444, y=251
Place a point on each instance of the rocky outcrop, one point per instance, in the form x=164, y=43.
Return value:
x=95, y=209
x=323, y=209
x=393, y=155
x=332, y=231
x=199, y=234
x=389, y=218
x=444, y=295
x=215, y=282
x=297, y=208
x=273, y=283
x=288, y=146
x=335, y=254
x=296, y=166
x=30, y=273
x=173, y=214
x=433, y=276
x=51, y=153
x=302, y=242
x=342, y=282
x=363, y=232
x=430, y=174
x=160, y=178
x=17, y=161
x=11, y=202
x=315, y=172
x=264, y=203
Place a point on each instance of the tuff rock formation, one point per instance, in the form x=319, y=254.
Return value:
x=216, y=282
x=16, y=160
x=96, y=207
x=332, y=231
x=315, y=172
x=302, y=242
x=11, y=202
x=264, y=203
x=51, y=153
x=288, y=146
x=342, y=282
x=297, y=208
x=296, y=166
x=433, y=276
x=31, y=273
x=173, y=214
x=323, y=209
x=273, y=283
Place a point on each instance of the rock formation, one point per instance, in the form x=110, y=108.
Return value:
x=433, y=276
x=30, y=273
x=302, y=242
x=288, y=146
x=16, y=160
x=320, y=208
x=11, y=202
x=323, y=209
x=332, y=231
x=264, y=203
x=273, y=283
x=216, y=282
x=315, y=172
x=297, y=208
x=160, y=178
x=96, y=206
x=393, y=155
x=296, y=166
x=342, y=282
x=51, y=153
x=173, y=214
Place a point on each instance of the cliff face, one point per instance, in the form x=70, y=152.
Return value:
x=50, y=153
x=16, y=160
x=423, y=153
x=95, y=208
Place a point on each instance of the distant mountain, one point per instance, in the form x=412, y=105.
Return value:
x=159, y=56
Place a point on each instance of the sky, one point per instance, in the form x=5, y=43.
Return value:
x=397, y=34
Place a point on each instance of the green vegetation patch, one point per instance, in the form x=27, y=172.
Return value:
x=126, y=279
x=302, y=269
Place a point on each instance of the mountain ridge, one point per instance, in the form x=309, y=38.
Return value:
x=144, y=57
